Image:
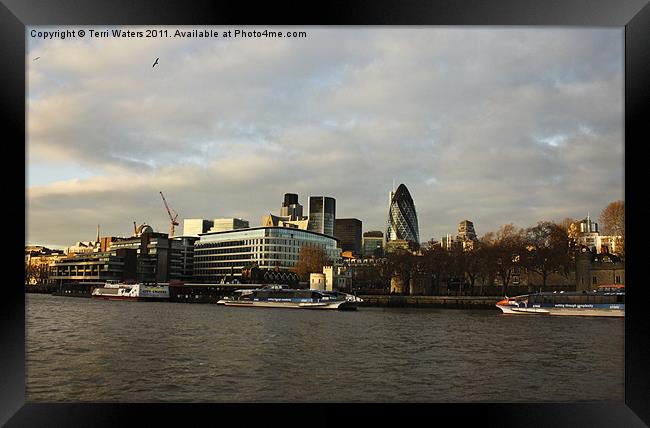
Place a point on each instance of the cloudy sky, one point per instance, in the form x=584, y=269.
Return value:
x=492, y=124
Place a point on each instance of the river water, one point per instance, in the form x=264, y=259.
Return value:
x=84, y=350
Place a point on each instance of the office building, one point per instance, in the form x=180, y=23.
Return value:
x=291, y=208
x=224, y=224
x=181, y=260
x=153, y=253
x=348, y=232
x=221, y=256
x=402, y=217
x=373, y=244
x=196, y=226
x=117, y=265
x=322, y=214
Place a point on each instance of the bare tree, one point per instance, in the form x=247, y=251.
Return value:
x=486, y=258
x=547, y=249
x=310, y=260
x=473, y=264
x=401, y=262
x=437, y=261
x=509, y=247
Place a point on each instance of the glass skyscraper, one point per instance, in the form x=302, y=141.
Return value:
x=402, y=218
x=322, y=214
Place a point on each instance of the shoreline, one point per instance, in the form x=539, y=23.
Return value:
x=375, y=300
x=450, y=302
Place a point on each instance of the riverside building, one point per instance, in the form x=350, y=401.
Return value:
x=119, y=265
x=221, y=256
x=159, y=257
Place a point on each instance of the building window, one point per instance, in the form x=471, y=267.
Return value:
x=618, y=279
x=594, y=280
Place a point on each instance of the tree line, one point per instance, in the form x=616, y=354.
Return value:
x=546, y=248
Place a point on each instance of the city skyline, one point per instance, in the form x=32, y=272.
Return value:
x=492, y=125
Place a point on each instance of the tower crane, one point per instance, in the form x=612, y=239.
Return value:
x=172, y=218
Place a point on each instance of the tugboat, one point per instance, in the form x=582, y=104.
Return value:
x=280, y=296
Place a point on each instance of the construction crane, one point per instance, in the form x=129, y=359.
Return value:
x=172, y=218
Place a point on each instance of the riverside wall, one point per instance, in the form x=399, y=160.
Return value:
x=452, y=302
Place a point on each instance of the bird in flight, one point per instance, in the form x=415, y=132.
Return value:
x=36, y=58
x=154, y=64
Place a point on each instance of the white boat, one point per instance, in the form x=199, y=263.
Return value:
x=280, y=296
x=134, y=292
x=606, y=301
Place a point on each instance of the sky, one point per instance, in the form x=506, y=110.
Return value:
x=495, y=125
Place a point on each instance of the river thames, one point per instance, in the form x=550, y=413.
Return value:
x=84, y=350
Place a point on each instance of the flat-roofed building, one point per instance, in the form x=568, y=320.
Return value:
x=153, y=253
x=373, y=244
x=224, y=224
x=117, y=265
x=322, y=214
x=348, y=232
x=196, y=226
x=181, y=262
x=221, y=256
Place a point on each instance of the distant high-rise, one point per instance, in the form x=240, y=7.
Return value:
x=402, y=218
x=348, y=232
x=466, y=231
x=466, y=236
x=322, y=214
x=291, y=208
x=373, y=243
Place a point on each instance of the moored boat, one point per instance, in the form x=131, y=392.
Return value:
x=133, y=292
x=280, y=296
x=606, y=301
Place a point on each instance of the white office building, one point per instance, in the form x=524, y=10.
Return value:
x=222, y=255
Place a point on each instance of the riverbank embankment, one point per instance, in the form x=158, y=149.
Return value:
x=454, y=302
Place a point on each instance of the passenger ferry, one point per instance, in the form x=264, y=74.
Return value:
x=606, y=301
x=135, y=292
x=280, y=296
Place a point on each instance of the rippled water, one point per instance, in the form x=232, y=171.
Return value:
x=80, y=349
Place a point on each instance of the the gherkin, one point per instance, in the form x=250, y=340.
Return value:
x=402, y=218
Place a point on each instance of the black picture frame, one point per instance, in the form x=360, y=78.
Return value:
x=633, y=15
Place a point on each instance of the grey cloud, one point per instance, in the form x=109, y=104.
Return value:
x=225, y=128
